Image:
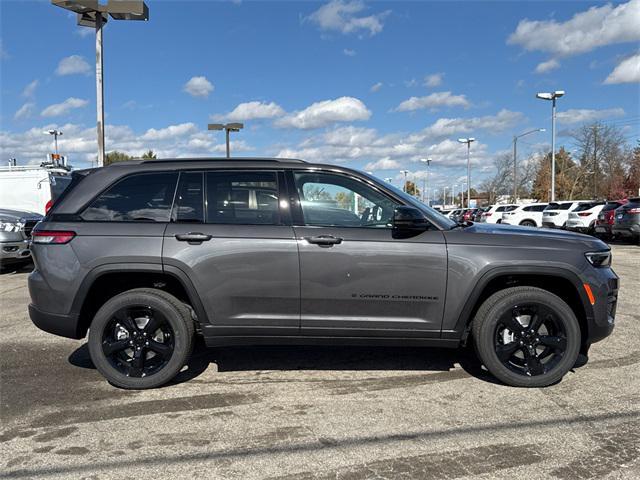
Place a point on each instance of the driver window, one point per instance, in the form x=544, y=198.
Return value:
x=337, y=200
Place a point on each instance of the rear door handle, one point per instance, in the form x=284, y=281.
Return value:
x=324, y=240
x=193, y=237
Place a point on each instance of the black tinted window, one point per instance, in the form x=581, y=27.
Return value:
x=610, y=206
x=539, y=208
x=243, y=198
x=143, y=197
x=189, y=203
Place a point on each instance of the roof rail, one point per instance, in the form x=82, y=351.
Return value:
x=224, y=159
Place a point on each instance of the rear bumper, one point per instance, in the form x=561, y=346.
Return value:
x=629, y=230
x=548, y=224
x=62, y=325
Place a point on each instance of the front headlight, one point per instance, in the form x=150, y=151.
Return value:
x=599, y=259
x=11, y=226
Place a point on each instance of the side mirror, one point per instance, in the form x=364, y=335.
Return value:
x=408, y=222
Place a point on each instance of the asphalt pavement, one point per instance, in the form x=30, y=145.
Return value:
x=318, y=413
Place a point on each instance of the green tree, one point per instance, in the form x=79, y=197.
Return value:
x=116, y=156
x=149, y=155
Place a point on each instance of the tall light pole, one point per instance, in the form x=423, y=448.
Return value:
x=404, y=188
x=515, y=159
x=444, y=196
x=93, y=14
x=56, y=134
x=228, y=128
x=453, y=192
x=552, y=96
x=468, y=141
x=462, y=189
x=425, y=181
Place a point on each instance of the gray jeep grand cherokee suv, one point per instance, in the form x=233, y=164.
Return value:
x=144, y=255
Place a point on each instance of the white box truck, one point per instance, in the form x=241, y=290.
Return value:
x=32, y=188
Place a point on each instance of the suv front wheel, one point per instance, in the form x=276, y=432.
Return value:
x=526, y=336
x=141, y=338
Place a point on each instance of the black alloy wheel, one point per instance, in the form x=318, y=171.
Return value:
x=138, y=341
x=529, y=339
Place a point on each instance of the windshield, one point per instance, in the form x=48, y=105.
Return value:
x=436, y=217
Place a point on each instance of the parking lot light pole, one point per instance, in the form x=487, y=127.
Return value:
x=515, y=159
x=93, y=14
x=404, y=188
x=468, y=141
x=552, y=96
x=228, y=128
x=56, y=133
x=425, y=181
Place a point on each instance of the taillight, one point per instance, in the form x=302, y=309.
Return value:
x=48, y=206
x=487, y=214
x=51, y=237
x=584, y=214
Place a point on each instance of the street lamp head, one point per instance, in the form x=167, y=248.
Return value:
x=215, y=126
x=88, y=10
x=544, y=96
x=471, y=139
x=542, y=129
x=558, y=93
x=234, y=127
x=462, y=140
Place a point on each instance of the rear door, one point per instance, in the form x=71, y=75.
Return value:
x=356, y=280
x=232, y=236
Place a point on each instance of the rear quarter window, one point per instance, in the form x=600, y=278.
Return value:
x=145, y=197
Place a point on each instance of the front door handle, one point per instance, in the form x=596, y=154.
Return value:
x=324, y=240
x=193, y=237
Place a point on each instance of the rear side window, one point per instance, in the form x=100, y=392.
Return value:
x=584, y=206
x=242, y=198
x=143, y=197
x=59, y=184
x=610, y=206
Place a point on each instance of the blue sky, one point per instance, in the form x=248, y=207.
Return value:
x=373, y=85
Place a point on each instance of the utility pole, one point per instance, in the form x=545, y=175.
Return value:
x=595, y=162
x=468, y=142
x=99, y=91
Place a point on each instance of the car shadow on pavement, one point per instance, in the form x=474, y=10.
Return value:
x=6, y=269
x=459, y=363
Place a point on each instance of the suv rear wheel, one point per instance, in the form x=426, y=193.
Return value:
x=141, y=338
x=526, y=336
x=528, y=223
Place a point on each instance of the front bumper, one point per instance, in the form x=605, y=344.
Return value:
x=601, y=322
x=14, y=251
x=62, y=325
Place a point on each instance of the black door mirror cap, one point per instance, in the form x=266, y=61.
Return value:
x=409, y=222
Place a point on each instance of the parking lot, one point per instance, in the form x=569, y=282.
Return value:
x=318, y=413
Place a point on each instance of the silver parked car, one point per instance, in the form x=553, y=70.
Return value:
x=15, y=235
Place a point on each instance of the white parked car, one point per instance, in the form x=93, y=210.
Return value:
x=557, y=213
x=526, y=215
x=583, y=219
x=494, y=214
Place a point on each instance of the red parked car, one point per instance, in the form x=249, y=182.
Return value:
x=470, y=214
x=606, y=218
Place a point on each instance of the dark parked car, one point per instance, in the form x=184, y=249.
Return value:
x=606, y=218
x=145, y=255
x=627, y=220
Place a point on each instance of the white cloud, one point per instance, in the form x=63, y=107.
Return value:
x=198, y=87
x=627, y=71
x=435, y=100
x=376, y=87
x=342, y=16
x=63, y=108
x=252, y=111
x=25, y=111
x=548, y=66
x=433, y=80
x=30, y=90
x=79, y=142
x=73, y=65
x=172, y=131
x=383, y=164
x=327, y=112
x=349, y=53
x=585, y=31
x=585, y=115
x=444, y=127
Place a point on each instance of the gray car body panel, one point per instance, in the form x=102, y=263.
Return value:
x=267, y=284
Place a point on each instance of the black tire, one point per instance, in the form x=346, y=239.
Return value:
x=133, y=355
x=520, y=362
x=528, y=223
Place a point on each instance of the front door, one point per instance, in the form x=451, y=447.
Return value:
x=231, y=237
x=356, y=280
